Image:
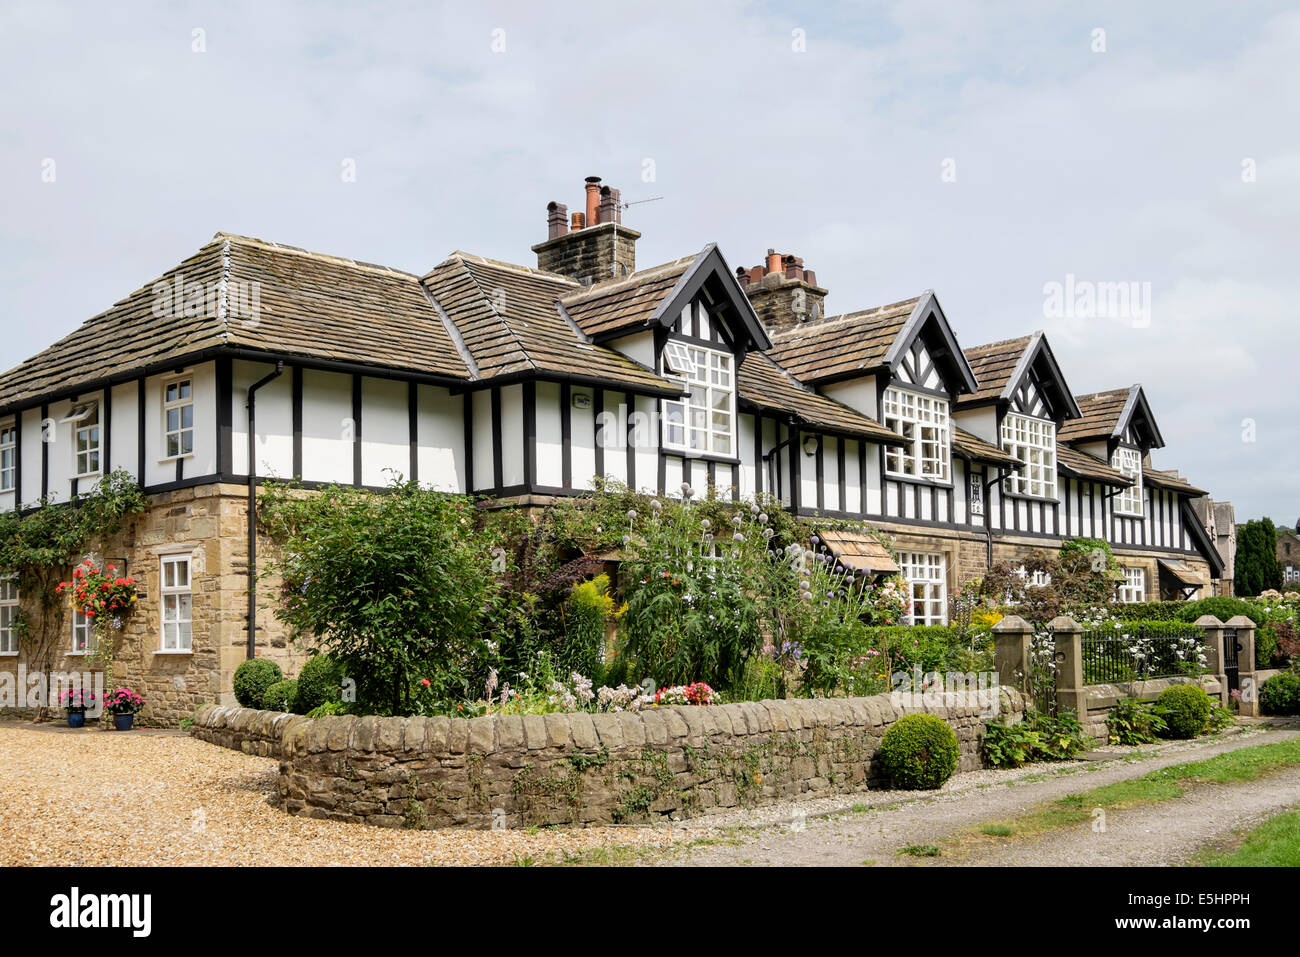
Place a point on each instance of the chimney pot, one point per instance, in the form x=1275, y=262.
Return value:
x=611, y=210
x=579, y=220
x=773, y=261
x=593, y=200
x=557, y=220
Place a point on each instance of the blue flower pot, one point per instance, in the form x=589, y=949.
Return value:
x=76, y=719
x=123, y=721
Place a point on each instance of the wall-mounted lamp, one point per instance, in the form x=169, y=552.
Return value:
x=810, y=445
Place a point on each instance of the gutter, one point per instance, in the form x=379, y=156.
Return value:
x=252, y=504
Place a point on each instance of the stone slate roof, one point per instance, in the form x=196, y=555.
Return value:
x=840, y=345
x=624, y=304
x=1101, y=412
x=762, y=384
x=974, y=448
x=1084, y=466
x=993, y=365
x=327, y=308
x=507, y=317
x=1170, y=480
x=307, y=305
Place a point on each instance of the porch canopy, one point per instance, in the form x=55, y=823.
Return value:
x=859, y=551
x=1187, y=577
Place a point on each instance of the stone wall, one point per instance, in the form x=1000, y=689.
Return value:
x=243, y=729
x=519, y=771
x=1101, y=698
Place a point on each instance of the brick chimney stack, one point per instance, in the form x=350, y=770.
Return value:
x=782, y=291
x=595, y=246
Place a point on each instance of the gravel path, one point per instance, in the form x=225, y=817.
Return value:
x=883, y=824
x=95, y=797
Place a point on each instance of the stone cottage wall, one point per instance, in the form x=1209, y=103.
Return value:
x=209, y=523
x=519, y=771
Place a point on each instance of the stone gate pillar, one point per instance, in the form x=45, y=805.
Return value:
x=1246, y=664
x=1070, y=695
x=1213, y=638
x=1011, y=645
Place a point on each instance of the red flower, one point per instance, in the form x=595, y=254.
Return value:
x=425, y=682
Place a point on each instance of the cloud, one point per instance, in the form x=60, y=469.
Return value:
x=1117, y=166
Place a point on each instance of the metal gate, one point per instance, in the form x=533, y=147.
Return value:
x=1230, y=648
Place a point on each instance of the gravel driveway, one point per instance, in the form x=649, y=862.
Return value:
x=147, y=797
x=1166, y=833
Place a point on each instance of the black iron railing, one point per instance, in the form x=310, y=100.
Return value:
x=1148, y=651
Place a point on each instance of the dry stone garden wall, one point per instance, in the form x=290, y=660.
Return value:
x=632, y=767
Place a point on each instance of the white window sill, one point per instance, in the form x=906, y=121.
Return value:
x=79, y=654
x=176, y=458
x=8, y=654
x=88, y=475
x=175, y=651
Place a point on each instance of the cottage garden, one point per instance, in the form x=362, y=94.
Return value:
x=420, y=603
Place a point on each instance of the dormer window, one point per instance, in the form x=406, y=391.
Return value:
x=923, y=421
x=1129, y=462
x=703, y=421
x=1033, y=442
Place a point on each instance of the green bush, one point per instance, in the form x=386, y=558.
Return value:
x=587, y=609
x=319, y=681
x=1133, y=722
x=919, y=752
x=1060, y=736
x=929, y=647
x=280, y=696
x=1150, y=611
x=1009, y=745
x=1222, y=608
x=252, y=678
x=1265, y=646
x=1039, y=737
x=1185, y=710
x=1280, y=694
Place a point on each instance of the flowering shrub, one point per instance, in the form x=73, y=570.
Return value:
x=99, y=593
x=697, y=693
x=123, y=701
x=692, y=591
x=74, y=699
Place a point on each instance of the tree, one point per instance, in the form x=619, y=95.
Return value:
x=396, y=586
x=1256, y=568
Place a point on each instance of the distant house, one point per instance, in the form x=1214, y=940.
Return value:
x=1220, y=521
x=1288, y=555
x=524, y=383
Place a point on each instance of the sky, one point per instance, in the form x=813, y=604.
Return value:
x=1125, y=177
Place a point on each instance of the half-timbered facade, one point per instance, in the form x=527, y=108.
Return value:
x=524, y=383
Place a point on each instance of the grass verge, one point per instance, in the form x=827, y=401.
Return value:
x=1164, y=784
x=1275, y=843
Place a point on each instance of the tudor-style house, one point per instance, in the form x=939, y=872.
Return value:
x=524, y=383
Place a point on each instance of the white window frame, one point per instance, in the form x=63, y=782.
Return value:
x=926, y=574
x=179, y=404
x=924, y=421
x=1129, y=500
x=8, y=611
x=1134, y=587
x=173, y=608
x=8, y=456
x=711, y=381
x=1033, y=442
x=84, y=639
x=85, y=419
